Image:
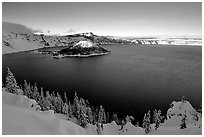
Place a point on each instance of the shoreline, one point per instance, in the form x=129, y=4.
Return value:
x=80, y=56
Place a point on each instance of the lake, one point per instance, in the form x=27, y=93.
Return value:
x=130, y=80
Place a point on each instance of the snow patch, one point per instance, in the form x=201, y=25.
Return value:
x=85, y=44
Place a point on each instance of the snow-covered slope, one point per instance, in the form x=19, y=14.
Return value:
x=129, y=129
x=18, y=118
x=85, y=44
x=21, y=115
x=15, y=43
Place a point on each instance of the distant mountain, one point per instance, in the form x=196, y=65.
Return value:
x=17, y=37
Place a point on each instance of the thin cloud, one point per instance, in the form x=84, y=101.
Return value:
x=18, y=28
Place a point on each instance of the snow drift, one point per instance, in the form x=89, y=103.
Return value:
x=18, y=118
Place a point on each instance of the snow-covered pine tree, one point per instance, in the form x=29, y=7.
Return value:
x=45, y=103
x=83, y=118
x=101, y=115
x=76, y=110
x=90, y=115
x=11, y=84
x=41, y=93
x=59, y=103
x=65, y=97
x=26, y=90
x=183, y=121
x=36, y=94
x=70, y=111
x=146, y=122
x=65, y=109
x=157, y=118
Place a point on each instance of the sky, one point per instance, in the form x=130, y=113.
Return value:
x=115, y=19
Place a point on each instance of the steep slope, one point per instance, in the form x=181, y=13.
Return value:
x=19, y=118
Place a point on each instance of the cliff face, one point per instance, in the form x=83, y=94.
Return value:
x=14, y=42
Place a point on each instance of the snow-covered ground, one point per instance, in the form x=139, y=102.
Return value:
x=20, y=118
x=21, y=115
x=85, y=44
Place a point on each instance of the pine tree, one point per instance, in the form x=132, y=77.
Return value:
x=90, y=115
x=58, y=103
x=70, y=111
x=183, y=121
x=146, y=122
x=76, y=110
x=65, y=97
x=83, y=118
x=65, y=109
x=26, y=90
x=36, y=94
x=101, y=116
x=11, y=84
x=45, y=103
x=41, y=93
x=157, y=118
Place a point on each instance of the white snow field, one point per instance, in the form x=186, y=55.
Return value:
x=85, y=44
x=21, y=116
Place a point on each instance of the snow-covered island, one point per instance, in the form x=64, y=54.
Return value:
x=81, y=49
x=27, y=110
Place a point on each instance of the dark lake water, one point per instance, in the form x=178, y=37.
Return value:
x=131, y=80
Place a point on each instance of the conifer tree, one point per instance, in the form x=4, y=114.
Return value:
x=101, y=115
x=58, y=103
x=76, y=110
x=26, y=90
x=45, y=103
x=90, y=115
x=65, y=97
x=41, y=93
x=146, y=122
x=157, y=118
x=70, y=111
x=11, y=84
x=65, y=109
x=36, y=94
x=83, y=118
